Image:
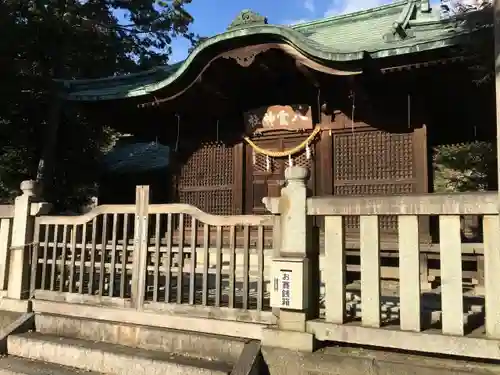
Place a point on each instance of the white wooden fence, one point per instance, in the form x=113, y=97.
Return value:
x=155, y=256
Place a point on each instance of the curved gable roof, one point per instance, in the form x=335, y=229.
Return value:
x=399, y=28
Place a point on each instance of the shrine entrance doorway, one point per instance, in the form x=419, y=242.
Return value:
x=266, y=175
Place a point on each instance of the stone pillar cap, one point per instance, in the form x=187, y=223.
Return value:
x=28, y=187
x=296, y=173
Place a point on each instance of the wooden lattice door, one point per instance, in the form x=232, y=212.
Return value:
x=374, y=162
x=267, y=182
x=207, y=179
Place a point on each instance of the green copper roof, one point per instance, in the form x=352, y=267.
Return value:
x=399, y=28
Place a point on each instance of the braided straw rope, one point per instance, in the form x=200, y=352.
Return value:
x=290, y=151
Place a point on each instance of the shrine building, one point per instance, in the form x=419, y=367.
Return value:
x=359, y=99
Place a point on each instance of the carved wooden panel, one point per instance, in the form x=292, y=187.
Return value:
x=206, y=179
x=301, y=160
x=260, y=163
x=373, y=163
x=217, y=202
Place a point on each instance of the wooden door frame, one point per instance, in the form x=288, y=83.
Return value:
x=239, y=172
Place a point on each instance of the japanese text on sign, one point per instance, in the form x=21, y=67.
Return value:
x=279, y=117
x=286, y=281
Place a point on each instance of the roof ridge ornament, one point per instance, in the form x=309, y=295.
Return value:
x=246, y=18
x=425, y=6
x=399, y=29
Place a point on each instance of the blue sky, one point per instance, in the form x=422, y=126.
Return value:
x=213, y=16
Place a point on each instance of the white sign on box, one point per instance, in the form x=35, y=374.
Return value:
x=286, y=289
x=289, y=276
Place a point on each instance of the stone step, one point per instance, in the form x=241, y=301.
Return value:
x=108, y=358
x=7, y=318
x=22, y=366
x=186, y=343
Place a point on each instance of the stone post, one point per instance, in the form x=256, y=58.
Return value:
x=139, y=272
x=22, y=234
x=296, y=267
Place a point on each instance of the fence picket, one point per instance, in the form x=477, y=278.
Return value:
x=192, y=274
x=156, y=262
x=409, y=273
x=452, y=301
x=54, y=258
x=93, y=250
x=83, y=258
x=218, y=266
x=124, y=259
x=5, y=239
x=335, y=270
x=246, y=264
x=491, y=225
x=112, y=266
x=370, y=271
x=73, y=236
x=168, y=260
x=206, y=262
x=180, y=261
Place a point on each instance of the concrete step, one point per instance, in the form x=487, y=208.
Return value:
x=21, y=366
x=108, y=358
x=191, y=344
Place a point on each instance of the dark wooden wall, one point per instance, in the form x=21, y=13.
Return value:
x=381, y=146
x=223, y=179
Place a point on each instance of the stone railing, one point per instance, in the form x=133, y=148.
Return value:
x=16, y=240
x=445, y=319
x=130, y=269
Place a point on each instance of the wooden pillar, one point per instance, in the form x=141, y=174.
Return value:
x=46, y=165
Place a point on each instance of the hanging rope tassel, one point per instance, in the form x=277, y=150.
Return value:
x=268, y=164
x=308, y=152
x=290, y=161
x=254, y=157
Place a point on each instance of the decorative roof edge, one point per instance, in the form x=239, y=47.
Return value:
x=116, y=92
x=109, y=88
x=175, y=66
x=326, y=20
x=287, y=35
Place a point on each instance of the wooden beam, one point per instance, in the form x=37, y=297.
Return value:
x=306, y=72
x=211, y=88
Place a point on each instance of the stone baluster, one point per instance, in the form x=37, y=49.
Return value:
x=296, y=267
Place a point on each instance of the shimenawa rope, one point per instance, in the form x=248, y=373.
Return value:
x=290, y=151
